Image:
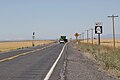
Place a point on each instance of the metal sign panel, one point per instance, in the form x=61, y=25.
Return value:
x=33, y=33
x=76, y=34
x=98, y=23
x=98, y=29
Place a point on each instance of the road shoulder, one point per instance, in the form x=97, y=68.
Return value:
x=79, y=67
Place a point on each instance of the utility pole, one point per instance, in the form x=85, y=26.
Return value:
x=92, y=35
x=113, y=28
x=80, y=37
x=87, y=36
x=83, y=36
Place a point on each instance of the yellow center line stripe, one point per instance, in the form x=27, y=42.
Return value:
x=22, y=54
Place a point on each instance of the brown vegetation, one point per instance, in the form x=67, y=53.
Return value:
x=6, y=46
x=105, y=55
x=105, y=42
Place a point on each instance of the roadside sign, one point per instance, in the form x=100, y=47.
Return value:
x=98, y=23
x=98, y=29
x=33, y=36
x=33, y=33
x=76, y=34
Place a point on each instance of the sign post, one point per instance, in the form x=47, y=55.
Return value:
x=98, y=30
x=33, y=36
x=76, y=35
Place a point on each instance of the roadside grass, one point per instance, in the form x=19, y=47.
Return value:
x=106, y=56
x=7, y=46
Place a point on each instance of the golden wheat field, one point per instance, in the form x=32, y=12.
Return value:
x=6, y=46
x=106, y=42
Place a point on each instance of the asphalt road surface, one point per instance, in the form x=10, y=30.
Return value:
x=35, y=63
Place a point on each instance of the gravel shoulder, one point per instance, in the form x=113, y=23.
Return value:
x=79, y=67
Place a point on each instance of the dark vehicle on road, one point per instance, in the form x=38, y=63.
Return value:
x=63, y=39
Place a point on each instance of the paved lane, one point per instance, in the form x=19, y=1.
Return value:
x=73, y=65
x=33, y=66
x=16, y=52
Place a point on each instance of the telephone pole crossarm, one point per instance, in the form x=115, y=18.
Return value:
x=112, y=16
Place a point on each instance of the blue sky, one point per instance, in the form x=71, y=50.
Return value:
x=52, y=18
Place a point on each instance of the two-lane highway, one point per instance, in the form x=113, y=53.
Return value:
x=30, y=63
x=49, y=62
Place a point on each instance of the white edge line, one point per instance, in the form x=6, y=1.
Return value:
x=55, y=63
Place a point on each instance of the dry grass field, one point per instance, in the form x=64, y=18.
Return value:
x=106, y=42
x=6, y=46
x=106, y=55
